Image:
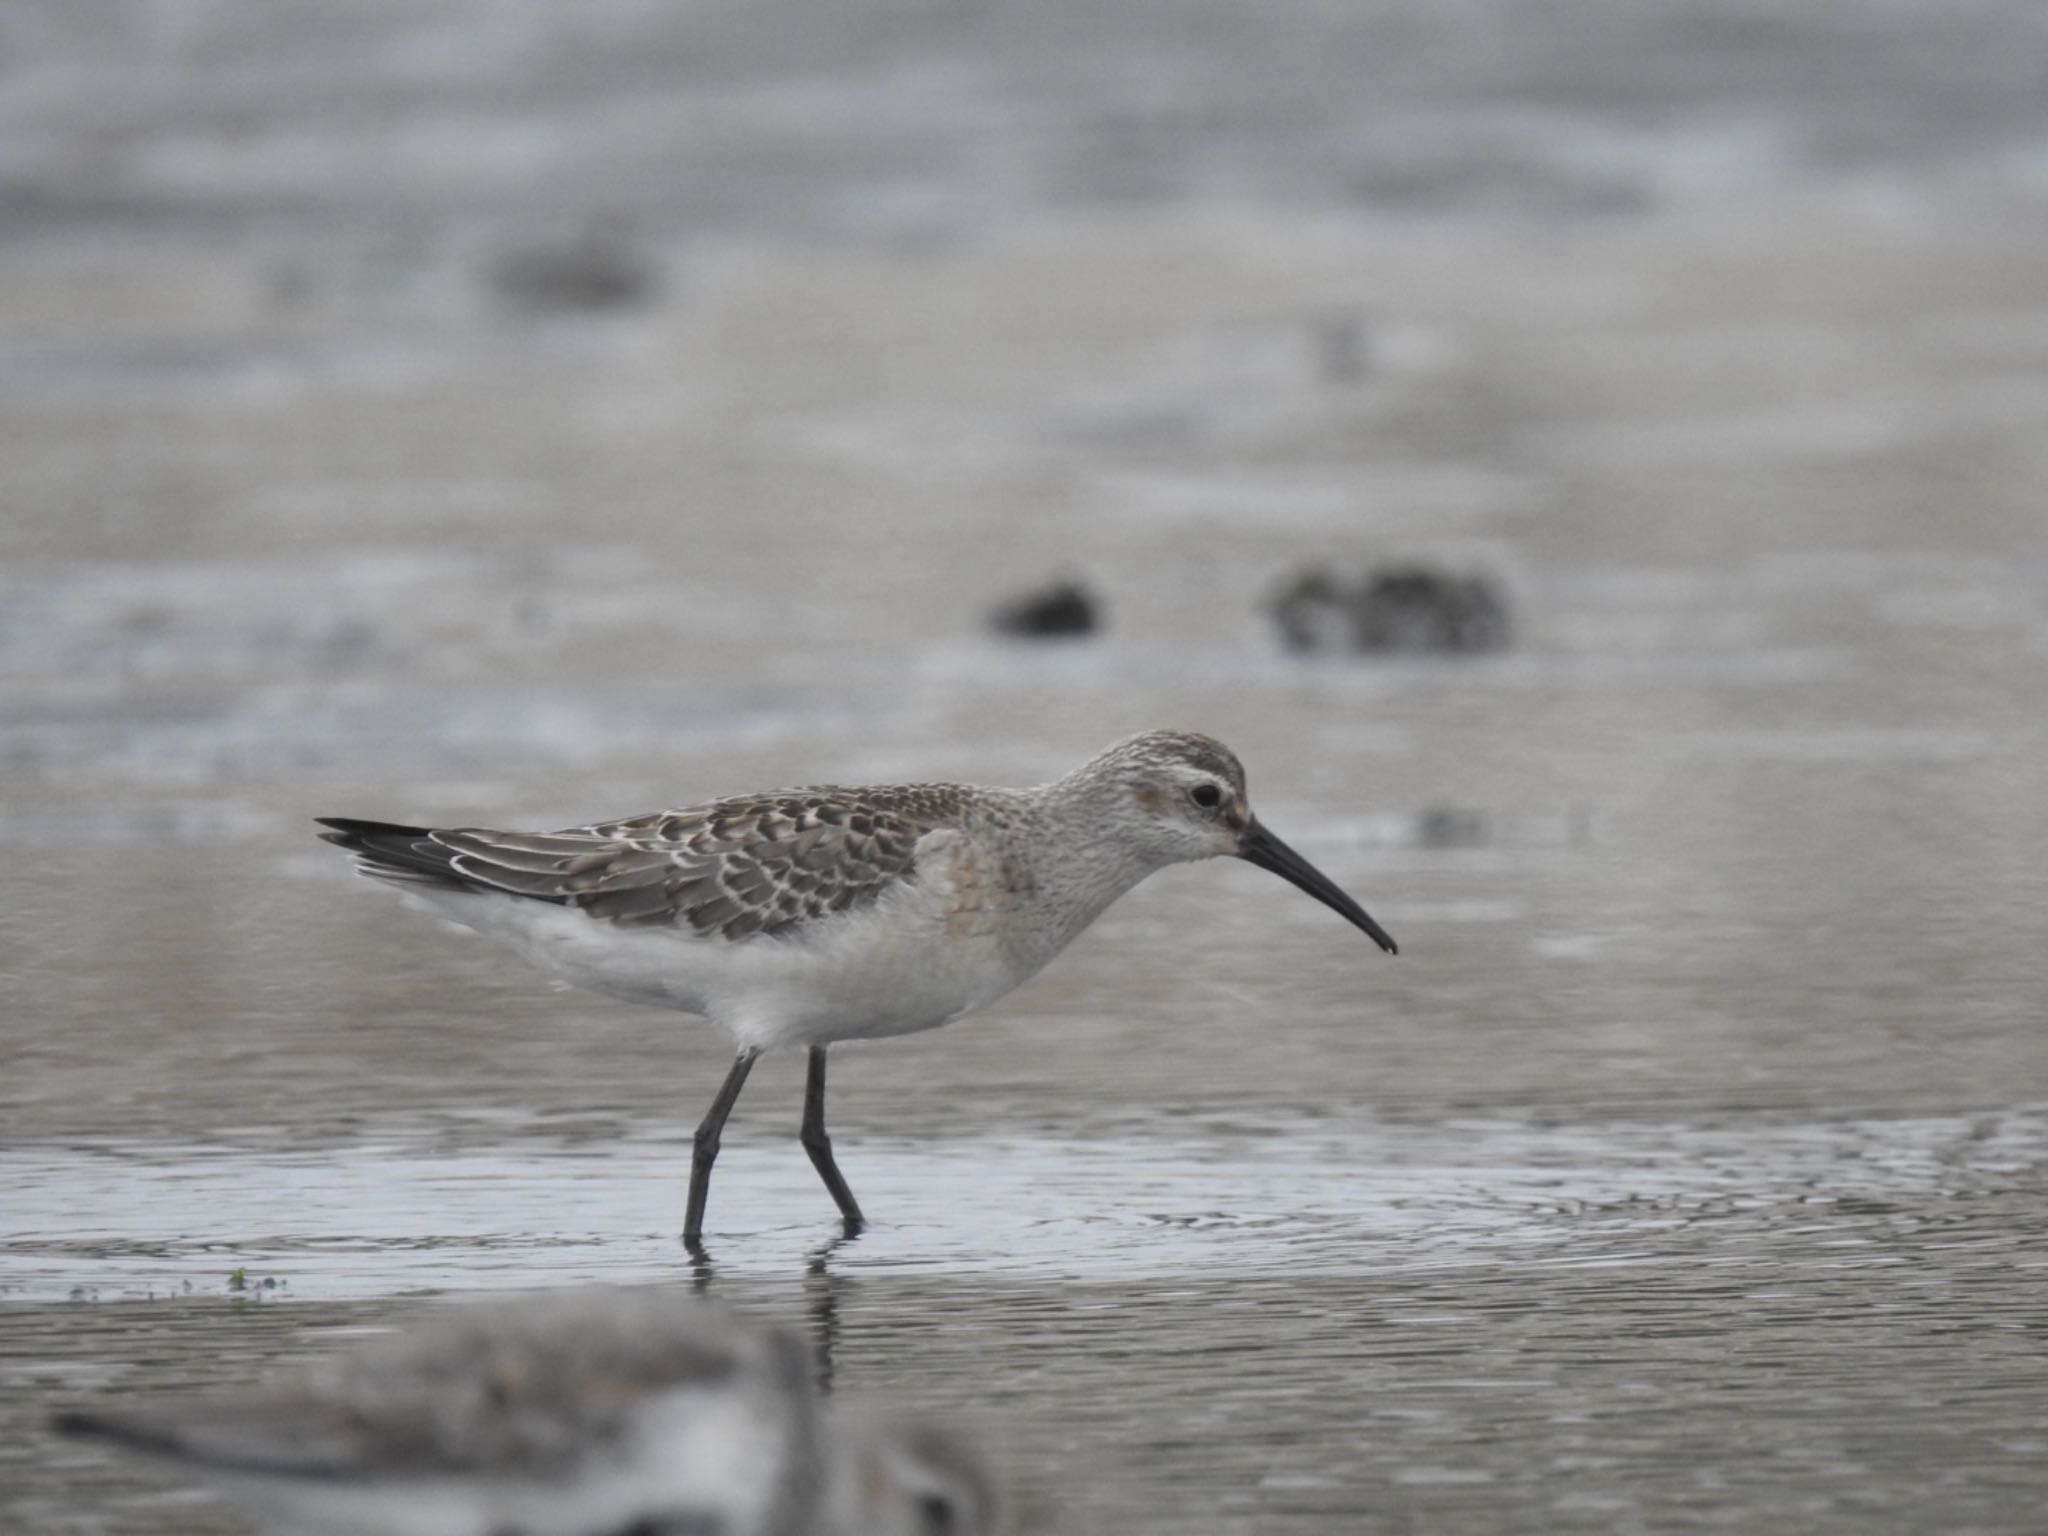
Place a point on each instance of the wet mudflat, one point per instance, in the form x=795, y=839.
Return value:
x=1687, y=1170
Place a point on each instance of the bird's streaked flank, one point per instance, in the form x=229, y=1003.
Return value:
x=597, y=1412
x=805, y=916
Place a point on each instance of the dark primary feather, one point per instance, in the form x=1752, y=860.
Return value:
x=758, y=864
x=399, y=853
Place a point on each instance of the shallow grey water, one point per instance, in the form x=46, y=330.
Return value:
x=1685, y=1171
x=1267, y=1327
x=1254, y=1325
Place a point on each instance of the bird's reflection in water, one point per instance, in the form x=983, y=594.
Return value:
x=951, y=1490
x=822, y=1288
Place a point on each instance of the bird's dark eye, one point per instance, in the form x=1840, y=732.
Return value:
x=1207, y=796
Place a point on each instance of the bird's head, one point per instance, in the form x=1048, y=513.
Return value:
x=895, y=1476
x=1180, y=796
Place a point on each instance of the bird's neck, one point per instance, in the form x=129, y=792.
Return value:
x=1076, y=872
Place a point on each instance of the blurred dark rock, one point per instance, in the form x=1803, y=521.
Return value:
x=1413, y=608
x=1313, y=611
x=1448, y=826
x=601, y=268
x=1061, y=611
x=1400, y=609
x=1342, y=342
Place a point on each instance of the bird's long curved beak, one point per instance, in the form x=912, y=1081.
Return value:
x=1260, y=847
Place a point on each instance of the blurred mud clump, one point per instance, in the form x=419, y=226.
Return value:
x=1065, y=610
x=1391, y=610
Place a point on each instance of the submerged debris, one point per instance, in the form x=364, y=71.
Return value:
x=1411, y=609
x=1061, y=611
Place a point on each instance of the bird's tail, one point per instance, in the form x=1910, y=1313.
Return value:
x=403, y=855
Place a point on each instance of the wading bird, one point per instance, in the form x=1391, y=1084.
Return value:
x=802, y=917
x=602, y=1411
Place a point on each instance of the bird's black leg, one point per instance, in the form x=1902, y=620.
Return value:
x=819, y=1145
x=705, y=1148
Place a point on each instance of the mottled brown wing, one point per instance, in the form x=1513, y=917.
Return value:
x=736, y=868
